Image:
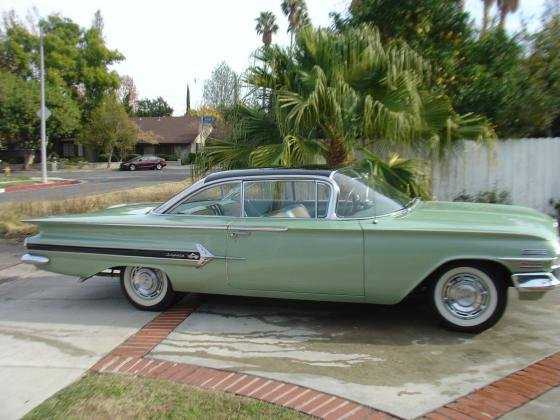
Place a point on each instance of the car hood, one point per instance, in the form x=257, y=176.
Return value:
x=478, y=217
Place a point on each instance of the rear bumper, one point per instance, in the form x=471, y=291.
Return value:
x=34, y=259
x=534, y=285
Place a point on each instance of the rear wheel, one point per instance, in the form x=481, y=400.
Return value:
x=147, y=288
x=468, y=298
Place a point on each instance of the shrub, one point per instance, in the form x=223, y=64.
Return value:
x=494, y=197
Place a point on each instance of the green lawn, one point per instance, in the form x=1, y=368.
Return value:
x=97, y=396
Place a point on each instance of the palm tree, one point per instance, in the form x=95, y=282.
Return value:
x=486, y=17
x=506, y=7
x=334, y=93
x=266, y=26
x=296, y=11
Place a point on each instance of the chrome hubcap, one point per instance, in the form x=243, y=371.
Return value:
x=465, y=296
x=147, y=283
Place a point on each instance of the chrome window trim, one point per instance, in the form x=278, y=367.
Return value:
x=198, y=186
x=299, y=178
x=200, y=190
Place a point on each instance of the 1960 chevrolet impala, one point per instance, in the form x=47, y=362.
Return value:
x=310, y=234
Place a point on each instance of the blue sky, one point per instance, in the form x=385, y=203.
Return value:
x=171, y=43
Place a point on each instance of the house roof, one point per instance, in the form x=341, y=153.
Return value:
x=175, y=130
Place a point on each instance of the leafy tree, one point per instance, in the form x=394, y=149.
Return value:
x=188, y=99
x=543, y=66
x=77, y=59
x=153, y=108
x=109, y=129
x=127, y=94
x=266, y=26
x=436, y=29
x=222, y=89
x=19, y=124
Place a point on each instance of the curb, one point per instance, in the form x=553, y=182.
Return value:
x=17, y=188
x=489, y=402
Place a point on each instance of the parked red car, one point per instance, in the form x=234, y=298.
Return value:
x=143, y=162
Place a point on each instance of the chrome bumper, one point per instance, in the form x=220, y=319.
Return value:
x=534, y=285
x=34, y=259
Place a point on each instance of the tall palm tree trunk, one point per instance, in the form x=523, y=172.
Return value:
x=337, y=154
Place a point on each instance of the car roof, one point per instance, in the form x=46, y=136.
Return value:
x=246, y=173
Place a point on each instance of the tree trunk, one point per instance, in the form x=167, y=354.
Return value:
x=109, y=158
x=485, y=19
x=336, y=154
x=28, y=159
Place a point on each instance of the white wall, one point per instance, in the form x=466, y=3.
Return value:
x=528, y=169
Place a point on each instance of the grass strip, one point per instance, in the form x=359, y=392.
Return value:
x=100, y=396
x=11, y=214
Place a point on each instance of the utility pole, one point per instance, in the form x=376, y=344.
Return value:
x=43, y=113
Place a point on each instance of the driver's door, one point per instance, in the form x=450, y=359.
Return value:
x=285, y=243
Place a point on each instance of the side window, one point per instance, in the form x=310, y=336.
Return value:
x=294, y=199
x=219, y=200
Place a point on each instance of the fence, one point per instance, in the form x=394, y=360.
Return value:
x=526, y=168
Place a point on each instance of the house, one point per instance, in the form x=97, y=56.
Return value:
x=174, y=135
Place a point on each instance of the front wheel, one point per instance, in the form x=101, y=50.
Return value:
x=147, y=288
x=468, y=298
x=132, y=167
x=158, y=166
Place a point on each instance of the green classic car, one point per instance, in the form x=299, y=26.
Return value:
x=331, y=235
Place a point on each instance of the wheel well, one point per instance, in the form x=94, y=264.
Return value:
x=504, y=273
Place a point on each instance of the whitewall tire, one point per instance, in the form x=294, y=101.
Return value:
x=147, y=288
x=468, y=298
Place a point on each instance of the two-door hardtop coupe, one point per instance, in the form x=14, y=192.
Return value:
x=332, y=235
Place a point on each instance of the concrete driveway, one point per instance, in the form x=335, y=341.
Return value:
x=392, y=358
x=52, y=330
x=396, y=359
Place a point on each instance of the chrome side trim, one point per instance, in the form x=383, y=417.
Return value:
x=34, y=259
x=534, y=252
x=534, y=282
x=528, y=259
x=259, y=228
x=193, y=226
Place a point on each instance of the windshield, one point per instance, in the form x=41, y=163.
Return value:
x=366, y=196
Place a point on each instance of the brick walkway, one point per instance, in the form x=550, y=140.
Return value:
x=491, y=401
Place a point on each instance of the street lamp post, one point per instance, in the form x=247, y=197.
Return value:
x=43, y=113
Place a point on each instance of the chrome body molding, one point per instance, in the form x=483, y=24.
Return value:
x=528, y=284
x=528, y=259
x=34, y=259
x=175, y=226
x=258, y=228
x=534, y=252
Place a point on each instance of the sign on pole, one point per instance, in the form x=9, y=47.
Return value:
x=47, y=113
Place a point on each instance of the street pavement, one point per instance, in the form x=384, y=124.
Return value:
x=96, y=182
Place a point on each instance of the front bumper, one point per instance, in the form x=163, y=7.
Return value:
x=534, y=285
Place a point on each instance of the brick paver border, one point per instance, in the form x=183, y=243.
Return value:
x=491, y=401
